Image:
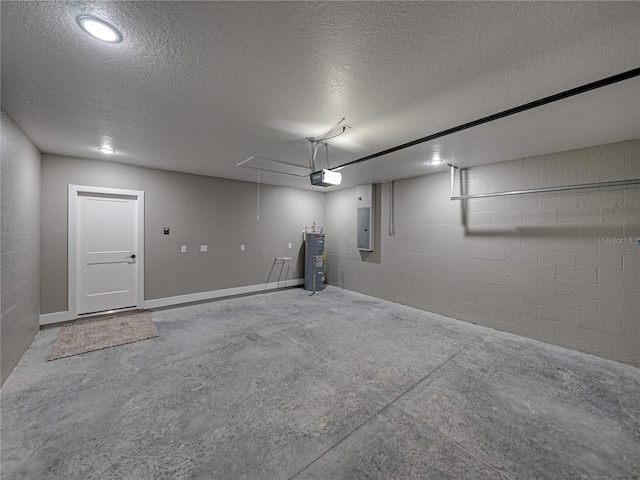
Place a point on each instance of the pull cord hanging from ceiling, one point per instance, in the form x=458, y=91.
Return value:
x=258, y=216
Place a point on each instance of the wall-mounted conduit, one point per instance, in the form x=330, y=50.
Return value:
x=392, y=219
x=496, y=116
x=562, y=188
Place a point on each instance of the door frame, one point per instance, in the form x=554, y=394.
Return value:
x=72, y=242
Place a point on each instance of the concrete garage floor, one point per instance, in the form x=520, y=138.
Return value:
x=332, y=386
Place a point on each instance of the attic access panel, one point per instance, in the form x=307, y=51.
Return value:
x=275, y=166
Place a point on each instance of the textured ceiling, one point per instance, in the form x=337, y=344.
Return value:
x=201, y=86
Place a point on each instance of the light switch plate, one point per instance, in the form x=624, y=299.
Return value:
x=183, y=249
x=289, y=245
x=241, y=247
x=204, y=248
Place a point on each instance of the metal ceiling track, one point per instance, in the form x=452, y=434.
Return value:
x=563, y=188
x=496, y=116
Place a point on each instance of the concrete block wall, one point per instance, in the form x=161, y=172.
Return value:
x=563, y=268
x=20, y=238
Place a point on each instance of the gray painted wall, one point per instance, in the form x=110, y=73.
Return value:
x=547, y=266
x=20, y=232
x=199, y=211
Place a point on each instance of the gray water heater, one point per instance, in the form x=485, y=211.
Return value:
x=314, y=261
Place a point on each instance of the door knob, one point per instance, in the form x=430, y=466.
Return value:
x=132, y=256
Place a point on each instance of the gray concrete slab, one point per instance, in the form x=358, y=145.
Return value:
x=536, y=410
x=392, y=446
x=335, y=385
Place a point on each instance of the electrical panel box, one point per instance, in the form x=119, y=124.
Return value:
x=365, y=226
x=314, y=261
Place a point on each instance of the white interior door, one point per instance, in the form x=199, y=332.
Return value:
x=107, y=227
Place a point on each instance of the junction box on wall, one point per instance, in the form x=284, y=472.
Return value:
x=364, y=209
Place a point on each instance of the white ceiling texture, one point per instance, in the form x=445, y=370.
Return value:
x=200, y=86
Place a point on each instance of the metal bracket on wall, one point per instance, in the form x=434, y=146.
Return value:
x=283, y=261
x=562, y=188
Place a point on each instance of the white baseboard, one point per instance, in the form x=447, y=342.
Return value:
x=227, y=292
x=57, y=317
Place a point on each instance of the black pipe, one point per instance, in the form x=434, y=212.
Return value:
x=512, y=111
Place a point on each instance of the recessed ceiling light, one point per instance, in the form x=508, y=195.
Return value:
x=435, y=161
x=99, y=29
x=106, y=150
